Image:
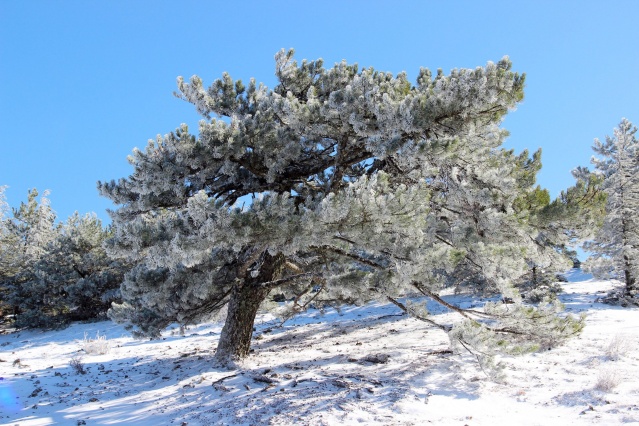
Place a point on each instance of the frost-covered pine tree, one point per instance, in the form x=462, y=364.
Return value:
x=75, y=277
x=6, y=248
x=91, y=280
x=27, y=235
x=4, y=207
x=6, y=251
x=561, y=225
x=616, y=245
x=339, y=185
x=51, y=273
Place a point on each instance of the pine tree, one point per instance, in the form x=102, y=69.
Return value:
x=560, y=226
x=616, y=245
x=6, y=252
x=339, y=185
x=55, y=273
x=77, y=270
x=28, y=235
x=4, y=207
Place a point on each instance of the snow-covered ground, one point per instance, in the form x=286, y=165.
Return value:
x=368, y=365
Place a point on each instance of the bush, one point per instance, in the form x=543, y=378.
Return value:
x=77, y=365
x=97, y=346
x=618, y=347
x=608, y=380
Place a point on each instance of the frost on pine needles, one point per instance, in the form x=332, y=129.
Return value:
x=615, y=247
x=339, y=185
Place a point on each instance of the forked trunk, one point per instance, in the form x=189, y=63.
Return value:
x=246, y=297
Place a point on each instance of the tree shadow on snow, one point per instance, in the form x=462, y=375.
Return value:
x=124, y=389
x=330, y=375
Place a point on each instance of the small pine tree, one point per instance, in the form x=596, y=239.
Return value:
x=561, y=225
x=55, y=273
x=77, y=264
x=29, y=233
x=6, y=252
x=616, y=245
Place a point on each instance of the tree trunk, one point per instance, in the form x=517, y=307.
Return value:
x=246, y=297
x=632, y=286
x=631, y=279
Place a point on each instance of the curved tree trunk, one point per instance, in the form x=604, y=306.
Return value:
x=246, y=297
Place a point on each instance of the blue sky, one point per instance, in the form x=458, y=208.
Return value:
x=84, y=82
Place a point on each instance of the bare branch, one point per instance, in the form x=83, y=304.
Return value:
x=404, y=308
x=460, y=311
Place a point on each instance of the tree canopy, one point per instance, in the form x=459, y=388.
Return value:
x=339, y=185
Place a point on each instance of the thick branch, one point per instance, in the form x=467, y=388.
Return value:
x=281, y=281
x=251, y=260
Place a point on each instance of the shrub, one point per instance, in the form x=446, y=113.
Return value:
x=77, y=365
x=97, y=346
x=618, y=347
x=608, y=380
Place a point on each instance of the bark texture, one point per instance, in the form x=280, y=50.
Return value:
x=246, y=297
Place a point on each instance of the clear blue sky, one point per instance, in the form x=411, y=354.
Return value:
x=84, y=82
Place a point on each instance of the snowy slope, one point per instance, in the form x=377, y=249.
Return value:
x=368, y=365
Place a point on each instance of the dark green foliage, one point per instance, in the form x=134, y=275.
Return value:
x=51, y=273
x=77, y=264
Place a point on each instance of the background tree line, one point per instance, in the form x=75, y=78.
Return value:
x=53, y=273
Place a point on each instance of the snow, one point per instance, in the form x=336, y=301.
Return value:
x=368, y=365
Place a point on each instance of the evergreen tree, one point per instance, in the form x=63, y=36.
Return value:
x=28, y=235
x=6, y=252
x=338, y=185
x=561, y=225
x=55, y=273
x=616, y=245
x=4, y=207
x=78, y=272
